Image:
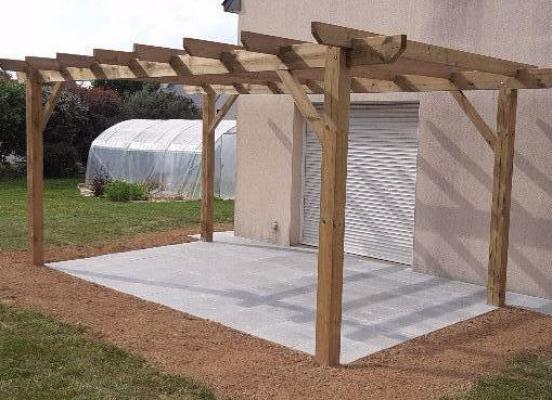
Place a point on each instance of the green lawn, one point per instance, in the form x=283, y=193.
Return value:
x=527, y=377
x=42, y=359
x=72, y=220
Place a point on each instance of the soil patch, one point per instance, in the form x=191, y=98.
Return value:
x=240, y=366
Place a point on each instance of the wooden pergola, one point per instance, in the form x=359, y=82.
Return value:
x=342, y=61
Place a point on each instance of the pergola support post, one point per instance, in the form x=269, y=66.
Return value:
x=35, y=169
x=501, y=197
x=208, y=166
x=337, y=83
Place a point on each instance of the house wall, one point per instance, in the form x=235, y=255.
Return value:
x=454, y=163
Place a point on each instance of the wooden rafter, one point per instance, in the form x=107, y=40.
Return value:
x=395, y=67
x=268, y=44
x=207, y=48
x=340, y=36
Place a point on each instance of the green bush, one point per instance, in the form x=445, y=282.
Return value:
x=60, y=160
x=125, y=191
x=9, y=171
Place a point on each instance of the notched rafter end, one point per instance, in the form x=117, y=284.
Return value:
x=378, y=49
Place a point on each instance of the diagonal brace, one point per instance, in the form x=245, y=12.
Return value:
x=488, y=134
x=303, y=103
x=223, y=111
x=50, y=105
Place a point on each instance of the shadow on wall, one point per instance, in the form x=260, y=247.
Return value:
x=280, y=135
x=527, y=231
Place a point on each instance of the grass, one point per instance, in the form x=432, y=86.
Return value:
x=42, y=359
x=71, y=219
x=527, y=377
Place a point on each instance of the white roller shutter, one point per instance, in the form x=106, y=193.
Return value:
x=381, y=182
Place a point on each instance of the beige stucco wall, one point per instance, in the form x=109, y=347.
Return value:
x=268, y=172
x=454, y=163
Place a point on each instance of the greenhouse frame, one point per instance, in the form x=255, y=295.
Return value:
x=164, y=155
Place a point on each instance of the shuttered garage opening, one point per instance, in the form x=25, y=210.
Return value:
x=381, y=182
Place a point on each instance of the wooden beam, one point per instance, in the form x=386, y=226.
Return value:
x=488, y=135
x=79, y=67
x=208, y=166
x=51, y=104
x=48, y=69
x=427, y=54
x=155, y=53
x=377, y=50
x=267, y=44
x=207, y=48
x=335, y=35
x=332, y=208
x=223, y=111
x=502, y=197
x=35, y=167
x=130, y=59
x=13, y=65
x=303, y=103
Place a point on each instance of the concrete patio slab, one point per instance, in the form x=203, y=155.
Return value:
x=269, y=292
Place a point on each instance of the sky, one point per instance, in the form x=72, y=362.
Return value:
x=43, y=28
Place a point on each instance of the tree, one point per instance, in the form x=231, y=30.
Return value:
x=124, y=87
x=12, y=118
x=159, y=105
x=63, y=133
x=80, y=115
x=104, y=109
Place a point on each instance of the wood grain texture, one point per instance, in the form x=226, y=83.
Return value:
x=35, y=168
x=208, y=166
x=501, y=197
x=51, y=104
x=332, y=208
x=303, y=103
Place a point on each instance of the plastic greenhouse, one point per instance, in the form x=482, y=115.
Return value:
x=164, y=153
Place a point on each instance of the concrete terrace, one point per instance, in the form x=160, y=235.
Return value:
x=269, y=292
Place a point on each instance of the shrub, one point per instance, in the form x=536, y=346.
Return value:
x=98, y=183
x=137, y=191
x=14, y=170
x=148, y=104
x=12, y=119
x=60, y=160
x=124, y=191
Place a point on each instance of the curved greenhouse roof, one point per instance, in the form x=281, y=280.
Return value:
x=164, y=153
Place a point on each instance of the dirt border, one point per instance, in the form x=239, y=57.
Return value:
x=241, y=366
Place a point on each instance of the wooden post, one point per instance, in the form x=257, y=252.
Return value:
x=337, y=84
x=502, y=197
x=35, y=167
x=208, y=166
